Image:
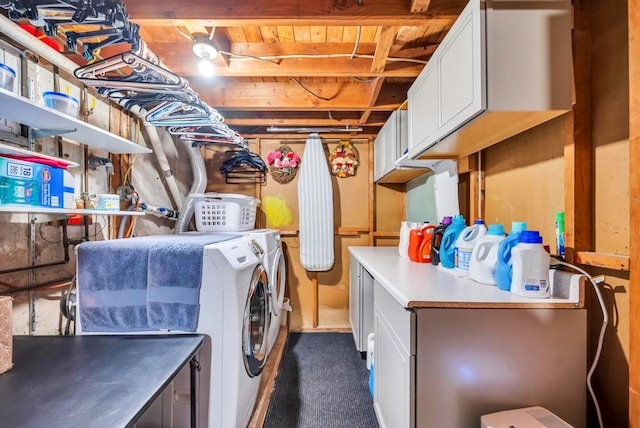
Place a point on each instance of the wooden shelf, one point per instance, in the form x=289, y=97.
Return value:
x=603, y=260
x=6, y=149
x=51, y=122
x=42, y=210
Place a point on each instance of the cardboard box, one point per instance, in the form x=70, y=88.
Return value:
x=30, y=183
x=6, y=333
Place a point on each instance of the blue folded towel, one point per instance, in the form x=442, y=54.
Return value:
x=142, y=284
x=174, y=278
x=112, y=283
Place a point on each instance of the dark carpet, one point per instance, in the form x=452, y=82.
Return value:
x=323, y=383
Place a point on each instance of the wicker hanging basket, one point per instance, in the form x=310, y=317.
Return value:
x=283, y=164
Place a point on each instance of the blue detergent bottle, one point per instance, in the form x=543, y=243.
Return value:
x=448, y=244
x=504, y=265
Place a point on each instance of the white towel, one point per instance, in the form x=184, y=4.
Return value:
x=315, y=202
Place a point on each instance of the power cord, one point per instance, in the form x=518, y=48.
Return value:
x=605, y=320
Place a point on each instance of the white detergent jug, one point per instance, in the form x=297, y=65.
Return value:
x=465, y=243
x=484, y=257
x=403, y=246
x=530, y=263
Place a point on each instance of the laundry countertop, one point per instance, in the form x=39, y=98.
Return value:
x=422, y=285
x=89, y=381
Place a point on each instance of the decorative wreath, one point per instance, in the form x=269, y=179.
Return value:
x=283, y=164
x=344, y=160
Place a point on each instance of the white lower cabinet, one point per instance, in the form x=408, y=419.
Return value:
x=360, y=303
x=394, y=362
x=446, y=367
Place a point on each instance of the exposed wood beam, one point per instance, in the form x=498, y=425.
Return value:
x=252, y=121
x=634, y=232
x=278, y=12
x=365, y=117
x=420, y=6
x=268, y=49
x=290, y=96
x=387, y=37
x=181, y=60
x=376, y=87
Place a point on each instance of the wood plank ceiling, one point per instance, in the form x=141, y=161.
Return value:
x=291, y=63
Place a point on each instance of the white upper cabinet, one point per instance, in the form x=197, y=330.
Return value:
x=504, y=66
x=422, y=116
x=461, y=87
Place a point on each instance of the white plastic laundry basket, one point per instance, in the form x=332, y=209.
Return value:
x=230, y=212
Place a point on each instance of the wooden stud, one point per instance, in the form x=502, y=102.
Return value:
x=468, y=164
x=372, y=196
x=314, y=281
x=258, y=119
x=602, y=260
x=578, y=149
x=634, y=233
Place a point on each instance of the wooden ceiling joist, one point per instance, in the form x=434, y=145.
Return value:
x=252, y=121
x=290, y=96
x=387, y=37
x=420, y=6
x=182, y=61
x=277, y=12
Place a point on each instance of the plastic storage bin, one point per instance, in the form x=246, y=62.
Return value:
x=61, y=102
x=217, y=212
x=7, y=76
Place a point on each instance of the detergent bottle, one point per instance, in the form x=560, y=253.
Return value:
x=403, y=247
x=415, y=240
x=436, y=240
x=465, y=243
x=503, y=267
x=482, y=266
x=448, y=244
x=530, y=266
x=425, y=245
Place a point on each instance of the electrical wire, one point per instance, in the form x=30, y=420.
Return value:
x=188, y=36
x=309, y=91
x=355, y=46
x=603, y=329
x=268, y=58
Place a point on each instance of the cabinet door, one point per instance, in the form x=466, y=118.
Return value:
x=394, y=362
x=354, y=300
x=461, y=63
x=422, y=114
x=378, y=155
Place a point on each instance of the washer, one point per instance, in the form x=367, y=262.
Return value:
x=274, y=262
x=234, y=315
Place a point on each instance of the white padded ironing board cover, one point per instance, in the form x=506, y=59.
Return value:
x=315, y=202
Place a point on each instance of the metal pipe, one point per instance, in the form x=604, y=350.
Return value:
x=199, y=185
x=36, y=286
x=161, y=156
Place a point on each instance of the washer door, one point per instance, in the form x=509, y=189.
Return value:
x=278, y=281
x=255, y=322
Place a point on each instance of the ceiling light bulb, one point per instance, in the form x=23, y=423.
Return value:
x=206, y=68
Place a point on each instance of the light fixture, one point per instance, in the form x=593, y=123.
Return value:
x=204, y=50
x=310, y=130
